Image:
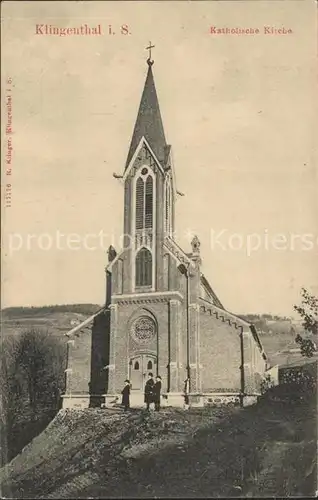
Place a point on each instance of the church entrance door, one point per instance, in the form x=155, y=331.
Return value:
x=140, y=366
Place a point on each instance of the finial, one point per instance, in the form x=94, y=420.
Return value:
x=111, y=253
x=195, y=243
x=149, y=60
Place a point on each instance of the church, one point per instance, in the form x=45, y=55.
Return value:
x=161, y=314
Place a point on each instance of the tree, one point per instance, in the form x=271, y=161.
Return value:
x=308, y=311
x=32, y=376
x=9, y=396
x=40, y=359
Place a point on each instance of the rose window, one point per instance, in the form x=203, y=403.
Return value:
x=143, y=330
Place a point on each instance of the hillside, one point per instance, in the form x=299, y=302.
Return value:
x=57, y=319
x=212, y=452
x=267, y=450
x=23, y=312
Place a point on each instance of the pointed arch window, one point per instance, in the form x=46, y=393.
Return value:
x=168, y=206
x=144, y=201
x=144, y=267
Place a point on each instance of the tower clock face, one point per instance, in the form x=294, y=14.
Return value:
x=143, y=330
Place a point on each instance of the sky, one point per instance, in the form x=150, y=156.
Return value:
x=239, y=111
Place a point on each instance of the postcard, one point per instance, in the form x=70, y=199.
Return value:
x=159, y=249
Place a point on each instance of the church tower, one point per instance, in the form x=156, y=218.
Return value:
x=145, y=289
x=149, y=195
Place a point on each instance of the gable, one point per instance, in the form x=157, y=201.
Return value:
x=143, y=154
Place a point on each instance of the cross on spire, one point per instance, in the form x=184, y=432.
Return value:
x=149, y=60
x=148, y=124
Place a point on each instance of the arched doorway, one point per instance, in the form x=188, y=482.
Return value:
x=139, y=367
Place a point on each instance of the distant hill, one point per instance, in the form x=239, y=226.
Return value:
x=268, y=317
x=270, y=324
x=277, y=334
x=57, y=319
x=16, y=312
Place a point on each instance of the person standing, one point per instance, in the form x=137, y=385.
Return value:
x=149, y=390
x=157, y=393
x=126, y=395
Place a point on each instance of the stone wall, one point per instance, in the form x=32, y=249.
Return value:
x=222, y=399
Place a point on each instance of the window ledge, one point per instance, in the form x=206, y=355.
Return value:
x=143, y=288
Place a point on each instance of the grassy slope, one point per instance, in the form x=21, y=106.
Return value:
x=55, y=319
x=267, y=450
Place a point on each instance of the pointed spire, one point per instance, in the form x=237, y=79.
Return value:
x=149, y=122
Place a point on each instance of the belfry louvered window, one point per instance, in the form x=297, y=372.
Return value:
x=139, y=203
x=144, y=268
x=148, y=202
x=144, y=202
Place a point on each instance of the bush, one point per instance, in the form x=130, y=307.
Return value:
x=296, y=384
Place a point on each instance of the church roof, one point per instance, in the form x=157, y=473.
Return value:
x=210, y=292
x=87, y=323
x=149, y=123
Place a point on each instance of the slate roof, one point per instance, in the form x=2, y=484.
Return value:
x=149, y=123
x=210, y=291
x=87, y=323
